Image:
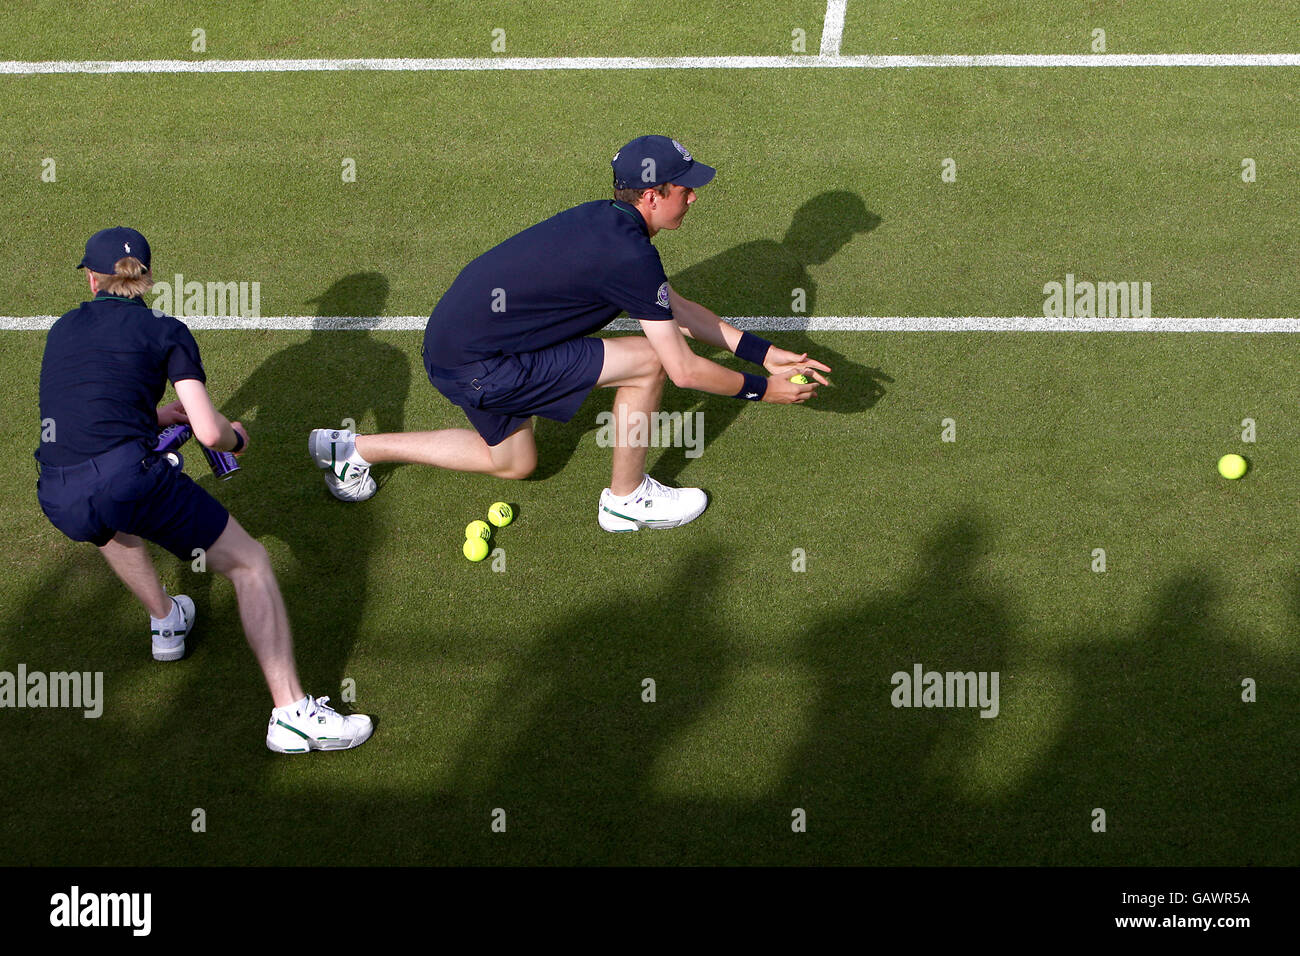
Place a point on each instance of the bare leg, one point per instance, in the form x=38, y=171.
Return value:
x=458, y=449
x=261, y=609
x=127, y=555
x=632, y=366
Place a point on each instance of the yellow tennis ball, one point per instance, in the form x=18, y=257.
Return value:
x=800, y=379
x=501, y=514
x=478, y=529
x=1232, y=466
x=476, y=549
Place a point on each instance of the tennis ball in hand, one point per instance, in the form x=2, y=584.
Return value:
x=800, y=379
x=501, y=514
x=477, y=529
x=476, y=549
x=1232, y=466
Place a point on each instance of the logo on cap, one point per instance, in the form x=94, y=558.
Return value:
x=682, y=149
x=126, y=246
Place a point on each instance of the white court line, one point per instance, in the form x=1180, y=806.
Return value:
x=805, y=61
x=833, y=27
x=759, y=323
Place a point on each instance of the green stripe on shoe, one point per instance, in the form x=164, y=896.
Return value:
x=281, y=723
x=616, y=514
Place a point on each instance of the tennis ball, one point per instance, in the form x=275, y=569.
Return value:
x=501, y=514
x=477, y=529
x=1232, y=466
x=800, y=379
x=476, y=549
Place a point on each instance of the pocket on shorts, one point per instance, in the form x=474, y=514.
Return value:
x=496, y=388
x=139, y=481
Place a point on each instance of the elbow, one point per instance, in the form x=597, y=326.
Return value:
x=207, y=435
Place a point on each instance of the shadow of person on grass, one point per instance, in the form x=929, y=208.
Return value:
x=1159, y=734
x=570, y=740
x=331, y=377
x=192, y=742
x=757, y=278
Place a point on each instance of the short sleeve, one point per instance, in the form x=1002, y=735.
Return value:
x=183, y=355
x=639, y=287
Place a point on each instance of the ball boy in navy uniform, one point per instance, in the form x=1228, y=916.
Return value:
x=513, y=338
x=105, y=368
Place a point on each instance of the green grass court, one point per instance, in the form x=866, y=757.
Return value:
x=521, y=689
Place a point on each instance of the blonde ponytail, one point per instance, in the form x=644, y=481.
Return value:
x=130, y=278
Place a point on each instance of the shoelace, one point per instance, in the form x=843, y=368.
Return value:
x=357, y=476
x=654, y=489
x=316, y=705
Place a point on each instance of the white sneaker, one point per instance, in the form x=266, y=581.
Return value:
x=345, y=480
x=310, y=725
x=652, y=505
x=169, y=633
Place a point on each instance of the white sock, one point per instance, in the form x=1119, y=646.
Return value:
x=297, y=706
x=635, y=491
x=354, y=457
x=172, y=619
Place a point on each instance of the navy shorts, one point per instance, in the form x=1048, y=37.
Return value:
x=501, y=393
x=132, y=490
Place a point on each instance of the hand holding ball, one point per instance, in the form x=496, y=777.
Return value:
x=800, y=379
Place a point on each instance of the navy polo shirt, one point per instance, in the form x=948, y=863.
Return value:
x=106, y=366
x=562, y=279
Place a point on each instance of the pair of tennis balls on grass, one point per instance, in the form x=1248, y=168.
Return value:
x=477, y=533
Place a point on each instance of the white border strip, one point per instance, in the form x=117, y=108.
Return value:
x=753, y=323
x=833, y=27
x=25, y=68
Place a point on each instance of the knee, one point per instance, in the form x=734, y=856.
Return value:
x=652, y=374
x=252, y=561
x=518, y=469
x=659, y=375
x=655, y=374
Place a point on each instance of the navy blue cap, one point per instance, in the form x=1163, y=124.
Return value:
x=654, y=160
x=105, y=247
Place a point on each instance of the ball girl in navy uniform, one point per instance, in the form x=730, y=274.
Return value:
x=105, y=369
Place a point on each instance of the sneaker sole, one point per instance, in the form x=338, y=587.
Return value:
x=632, y=524
x=326, y=745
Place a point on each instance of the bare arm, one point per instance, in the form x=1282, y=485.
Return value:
x=688, y=370
x=210, y=426
x=698, y=322
x=684, y=367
